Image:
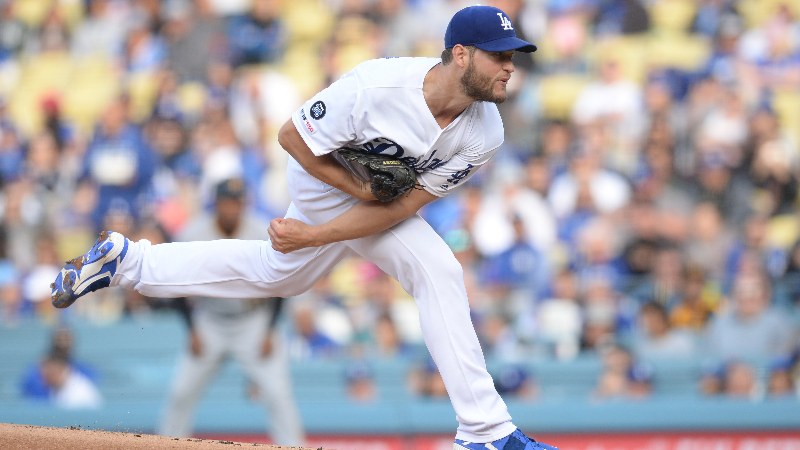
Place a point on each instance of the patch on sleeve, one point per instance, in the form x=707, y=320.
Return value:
x=307, y=123
x=318, y=110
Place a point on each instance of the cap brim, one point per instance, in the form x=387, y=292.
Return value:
x=507, y=43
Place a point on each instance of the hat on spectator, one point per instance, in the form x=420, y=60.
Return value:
x=780, y=364
x=510, y=380
x=357, y=371
x=232, y=188
x=640, y=373
x=487, y=28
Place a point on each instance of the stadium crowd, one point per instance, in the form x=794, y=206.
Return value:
x=643, y=206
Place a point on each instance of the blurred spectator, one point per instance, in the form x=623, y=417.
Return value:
x=53, y=37
x=606, y=312
x=62, y=343
x=24, y=213
x=497, y=336
x=781, y=383
x=587, y=185
x=522, y=271
x=145, y=51
x=120, y=163
x=15, y=32
x=772, y=51
x=710, y=16
x=614, y=17
x=740, y=381
x=665, y=283
x=36, y=284
x=11, y=304
x=753, y=253
x=712, y=380
x=426, y=381
x=560, y=319
x=724, y=130
x=11, y=147
x=615, y=106
x=751, y=327
x=708, y=241
x=556, y=142
x=658, y=339
x=514, y=382
x=787, y=288
x=60, y=380
x=257, y=37
x=102, y=32
x=308, y=341
x=195, y=37
x=360, y=382
x=774, y=175
x=717, y=183
x=68, y=388
x=700, y=300
x=387, y=339
x=42, y=161
x=622, y=376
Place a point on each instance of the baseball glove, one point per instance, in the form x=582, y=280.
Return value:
x=389, y=177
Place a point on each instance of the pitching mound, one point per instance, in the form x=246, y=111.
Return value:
x=28, y=437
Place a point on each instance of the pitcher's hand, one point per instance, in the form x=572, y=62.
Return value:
x=288, y=235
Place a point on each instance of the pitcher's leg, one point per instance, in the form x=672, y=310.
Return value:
x=419, y=259
x=226, y=268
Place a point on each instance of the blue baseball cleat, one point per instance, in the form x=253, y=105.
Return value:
x=91, y=271
x=514, y=441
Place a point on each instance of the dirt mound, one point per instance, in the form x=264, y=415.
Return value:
x=28, y=437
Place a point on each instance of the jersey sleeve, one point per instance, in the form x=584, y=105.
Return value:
x=442, y=179
x=326, y=121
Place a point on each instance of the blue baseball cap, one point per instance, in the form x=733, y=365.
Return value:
x=487, y=28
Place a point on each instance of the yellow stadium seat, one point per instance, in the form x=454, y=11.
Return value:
x=672, y=15
x=558, y=93
x=192, y=97
x=93, y=84
x=85, y=101
x=47, y=74
x=782, y=231
x=24, y=110
x=682, y=51
x=756, y=12
x=32, y=12
x=786, y=104
x=72, y=11
x=308, y=20
x=47, y=71
x=349, y=56
x=142, y=89
x=629, y=52
x=302, y=63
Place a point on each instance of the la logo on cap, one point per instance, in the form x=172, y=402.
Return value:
x=505, y=22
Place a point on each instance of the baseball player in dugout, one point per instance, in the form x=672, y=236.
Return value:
x=437, y=116
x=241, y=329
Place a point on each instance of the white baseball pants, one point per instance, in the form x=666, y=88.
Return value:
x=411, y=252
x=239, y=338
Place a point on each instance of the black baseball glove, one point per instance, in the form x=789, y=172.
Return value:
x=389, y=177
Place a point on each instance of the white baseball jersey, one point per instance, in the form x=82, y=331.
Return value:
x=379, y=107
